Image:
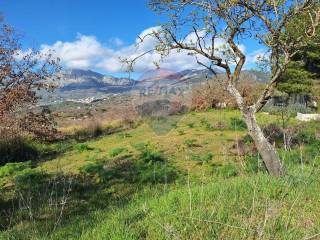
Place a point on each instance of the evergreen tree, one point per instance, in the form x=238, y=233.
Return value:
x=305, y=67
x=297, y=79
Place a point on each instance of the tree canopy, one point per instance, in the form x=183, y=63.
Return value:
x=305, y=65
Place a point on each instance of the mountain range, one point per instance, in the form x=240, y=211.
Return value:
x=87, y=85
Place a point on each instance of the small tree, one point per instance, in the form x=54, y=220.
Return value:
x=22, y=76
x=305, y=65
x=213, y=30
x=296, y=80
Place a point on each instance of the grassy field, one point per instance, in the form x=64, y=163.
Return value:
x=178, y=178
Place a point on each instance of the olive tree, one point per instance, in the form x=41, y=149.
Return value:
x=214, y=32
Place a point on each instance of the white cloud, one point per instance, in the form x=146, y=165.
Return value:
x=82, y=53
x=87, y=52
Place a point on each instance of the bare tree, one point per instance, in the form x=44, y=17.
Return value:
x=213, y=31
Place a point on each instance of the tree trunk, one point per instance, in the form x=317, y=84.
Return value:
x=265, y=148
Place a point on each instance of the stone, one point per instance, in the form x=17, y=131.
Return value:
x=308, y=117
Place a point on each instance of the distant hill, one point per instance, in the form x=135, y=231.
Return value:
x=87, y=85
x=86, y=79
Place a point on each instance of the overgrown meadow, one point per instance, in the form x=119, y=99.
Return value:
x=194, y=176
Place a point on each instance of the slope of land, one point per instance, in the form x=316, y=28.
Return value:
x=183, y=177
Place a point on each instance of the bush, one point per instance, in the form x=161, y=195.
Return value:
x=152, y=166
x=148, y=153
x=18, y=149
x=81, y=147
x=206, y=125
x=155, y=173
x=90, y=130
x=274, y=133
x=29, y=177
x=95, y=170
x=238, y=123
x=304, y=135
x=12, y=168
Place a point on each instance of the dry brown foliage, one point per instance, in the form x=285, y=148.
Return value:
x=22, y=75
x=213, y=94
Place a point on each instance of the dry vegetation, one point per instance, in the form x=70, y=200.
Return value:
x=213, y=94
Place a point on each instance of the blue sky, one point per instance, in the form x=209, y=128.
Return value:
x=45, y=21
x=91, y=34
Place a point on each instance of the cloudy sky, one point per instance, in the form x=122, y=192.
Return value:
x=94, y=34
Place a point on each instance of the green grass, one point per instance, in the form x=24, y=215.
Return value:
x=148, y=183
x=117, y=151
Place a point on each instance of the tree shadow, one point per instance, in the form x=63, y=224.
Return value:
x=49, y=202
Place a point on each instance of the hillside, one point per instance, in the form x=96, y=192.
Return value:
x=86, y=85
x=191, y=182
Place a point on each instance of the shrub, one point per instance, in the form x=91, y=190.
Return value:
x=274, y=133
x=95, y=170
x=81, y=147
x=92, y=130
x=304, y=135
x=207, y=157
x=11, y=168
x=18, y=149
x=247, y=139
x=29, y=177
x=148, y=153
x=237, y=123
x=205, y=123
x=155, y=173
x=213, y=95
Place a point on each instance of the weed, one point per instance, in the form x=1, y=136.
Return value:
x=174, y=125
x=206, y=125
x=13, y=168
x=227, y=171
x=191, y=143
x=181, y=132
x=237, y=123
x=149, y=154
x=202, y=158
x=190, y=125
x=254, y=164
x=124, y=135
x=117, y=151
x=82, y=147
x=18, y=149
